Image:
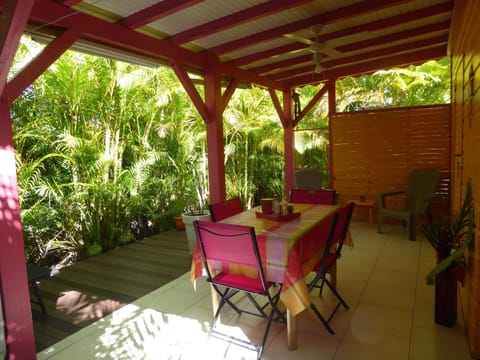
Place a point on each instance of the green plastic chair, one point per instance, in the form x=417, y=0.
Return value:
x=310, y=179
x=420, y=191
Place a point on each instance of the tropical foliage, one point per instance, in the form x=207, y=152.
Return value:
x=108, y=152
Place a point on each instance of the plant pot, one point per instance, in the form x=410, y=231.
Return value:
x=179, y=224
x=189, y=230
x=446, y=297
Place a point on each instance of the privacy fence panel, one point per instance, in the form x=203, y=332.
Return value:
x=374, y=151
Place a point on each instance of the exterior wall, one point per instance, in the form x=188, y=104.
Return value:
x=374, y=151
x=465, y=52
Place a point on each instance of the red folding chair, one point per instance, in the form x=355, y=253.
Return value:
x=332, y=252
x=224, y=209
x=225, y=247
x=304, y=196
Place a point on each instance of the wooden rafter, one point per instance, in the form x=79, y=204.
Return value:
x=326, y=18
x=371, y=26
x=326, y=87
x=156, y=12
x=240, y=17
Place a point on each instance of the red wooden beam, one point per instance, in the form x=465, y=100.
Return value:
x=116, y=35
x=19, y=338
x=235, y=19
x=432, y=28
x=326, y=18
x=372, y=66
x=156, y=11
x=278, y=107
x=12, y=23
x=371, y=26
x=228, y=93
x=326, y=87
x=190, y=89
x=41, y=63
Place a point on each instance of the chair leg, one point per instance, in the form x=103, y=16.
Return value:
x=379, y=226
x=38, y=294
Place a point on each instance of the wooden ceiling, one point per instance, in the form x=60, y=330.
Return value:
x=272, y=43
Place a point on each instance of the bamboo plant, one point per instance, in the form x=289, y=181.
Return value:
x=452, y=238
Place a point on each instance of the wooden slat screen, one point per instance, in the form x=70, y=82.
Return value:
x=375, y=151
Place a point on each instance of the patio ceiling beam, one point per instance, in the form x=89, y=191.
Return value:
x=371, y=26
x=370, y=56
x=156, y=12
x=247, y=15
x=17, y=314
x=403, y=35
x=278, y=107
x=228, y=93
x=312, y=102
x=44, y=59
x=189, y=87
x=116, y=35
x=325, y=18
x=12, y=22
x=368, y=67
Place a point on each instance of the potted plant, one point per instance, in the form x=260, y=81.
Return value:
x=450, y=240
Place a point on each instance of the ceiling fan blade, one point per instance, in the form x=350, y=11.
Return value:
x=298, y=38
x=330, y=52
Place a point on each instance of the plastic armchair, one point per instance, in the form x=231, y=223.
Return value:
x=310, y=179
x=419, y=193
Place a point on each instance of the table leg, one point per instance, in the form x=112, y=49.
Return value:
x=215, y=301
x=291, y=331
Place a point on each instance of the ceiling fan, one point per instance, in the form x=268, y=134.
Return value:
x=317, y=48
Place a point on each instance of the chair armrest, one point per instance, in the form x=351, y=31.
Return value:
x=383, y=195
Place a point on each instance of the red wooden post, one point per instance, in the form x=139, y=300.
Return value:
x=215, y=142
x=289, y=142
x=13, y=273
x=332, y=110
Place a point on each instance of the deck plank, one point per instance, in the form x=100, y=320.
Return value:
x=90, y=289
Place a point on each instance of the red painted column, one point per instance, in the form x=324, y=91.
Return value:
x=215, y=139
x=13, y=274
x=289, y=142
x=332, y=110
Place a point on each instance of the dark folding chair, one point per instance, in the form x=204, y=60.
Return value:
x=305, y=196
x=332, y=252
x=35, y=274
x=233, y=246
x=224, y=209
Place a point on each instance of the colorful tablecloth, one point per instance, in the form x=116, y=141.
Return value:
x=289, y=249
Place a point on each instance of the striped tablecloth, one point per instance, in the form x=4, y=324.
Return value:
x=289, y=249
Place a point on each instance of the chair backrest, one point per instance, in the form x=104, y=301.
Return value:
x=421, y=185
x=336, y=238
x=344, y=215
x=322, y=196
x=224, y=209
x=310, y=179
x=228, y=244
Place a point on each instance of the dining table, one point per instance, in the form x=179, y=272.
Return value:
x=290, y=247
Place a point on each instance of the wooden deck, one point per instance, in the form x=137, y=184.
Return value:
x=93, y=288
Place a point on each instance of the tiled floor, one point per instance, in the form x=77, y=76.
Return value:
x=381, y=278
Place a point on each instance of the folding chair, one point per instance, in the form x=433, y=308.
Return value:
x=332, y=252
x=224, y=209
x=305, y=196
x=36, y=273
x=225, y=247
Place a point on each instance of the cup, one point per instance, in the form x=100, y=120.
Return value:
x=266, y=204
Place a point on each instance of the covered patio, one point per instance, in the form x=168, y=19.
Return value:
x=278, y=45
